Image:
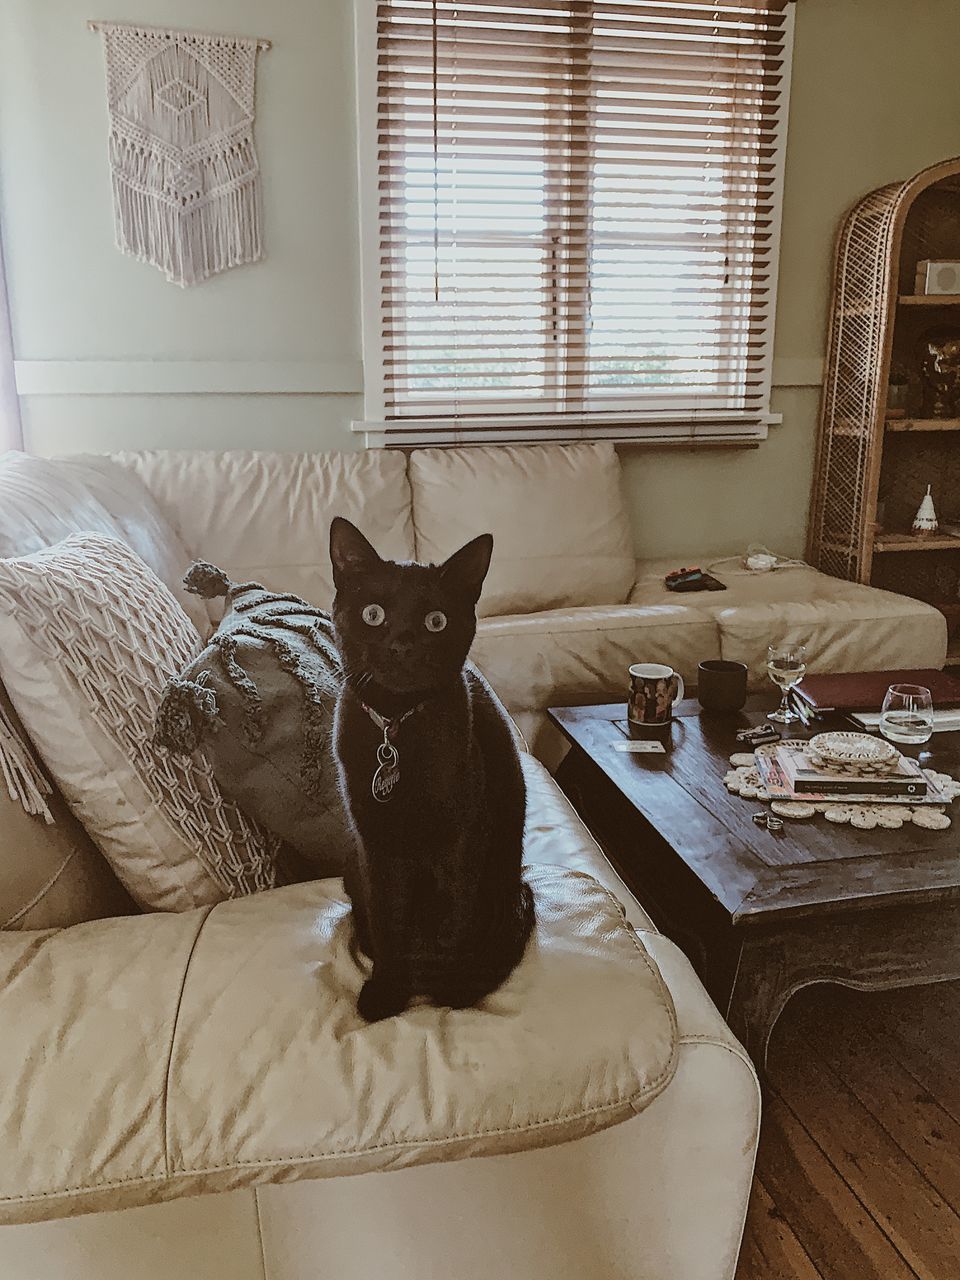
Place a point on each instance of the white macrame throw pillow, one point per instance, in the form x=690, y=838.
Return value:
x=89, y=637
x=186, y=180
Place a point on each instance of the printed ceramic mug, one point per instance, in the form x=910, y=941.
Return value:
x=654, y=692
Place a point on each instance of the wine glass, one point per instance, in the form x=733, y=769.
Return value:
x=907, y=713
x=786, y=665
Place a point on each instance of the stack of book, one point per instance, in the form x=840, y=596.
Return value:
x=788, y=773
x=859, y=696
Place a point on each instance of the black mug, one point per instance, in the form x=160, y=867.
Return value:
x=721, y=685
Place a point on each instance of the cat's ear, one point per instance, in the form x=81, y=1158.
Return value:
x=467, y=568
x=350, y=552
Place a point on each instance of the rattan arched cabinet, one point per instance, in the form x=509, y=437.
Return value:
x=872, y=470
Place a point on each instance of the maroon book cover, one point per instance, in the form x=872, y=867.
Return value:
x=865, y=690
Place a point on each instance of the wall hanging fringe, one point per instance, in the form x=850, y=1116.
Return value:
x=186, y=181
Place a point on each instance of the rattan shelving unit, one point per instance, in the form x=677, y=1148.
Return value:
x=862, y=457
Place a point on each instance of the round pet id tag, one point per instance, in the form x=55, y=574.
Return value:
x=388, y=772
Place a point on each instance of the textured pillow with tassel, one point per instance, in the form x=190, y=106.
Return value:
x=259, y=703
x=89, y=636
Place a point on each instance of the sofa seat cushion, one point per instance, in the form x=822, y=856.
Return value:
x=236, y=1055
x=570, y=656
x=846, y=626
x=561, y=536
x=266, y=516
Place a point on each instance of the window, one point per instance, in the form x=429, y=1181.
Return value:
x=572, y=217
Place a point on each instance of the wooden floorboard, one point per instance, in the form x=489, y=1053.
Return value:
x=858, y=1173
x=770, y=1247
x=922, y=1026
x=873, y=1068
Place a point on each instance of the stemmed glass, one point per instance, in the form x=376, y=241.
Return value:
x=786, y=665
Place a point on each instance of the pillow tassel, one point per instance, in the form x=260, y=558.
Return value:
x=187, y=709
x=23, y=776
x=206, y=580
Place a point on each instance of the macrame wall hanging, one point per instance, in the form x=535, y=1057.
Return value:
x=186, y=182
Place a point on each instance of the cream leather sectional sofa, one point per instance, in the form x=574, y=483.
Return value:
x=661, y=1195
x=567, y=606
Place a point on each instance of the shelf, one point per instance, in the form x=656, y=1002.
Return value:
x=908, y=542
x=923, y=424
x=929, y=299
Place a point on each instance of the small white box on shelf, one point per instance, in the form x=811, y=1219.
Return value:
x=937, y=277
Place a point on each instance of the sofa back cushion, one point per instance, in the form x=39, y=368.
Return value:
x=561, y=537
x=43, y=500
x=266, y=516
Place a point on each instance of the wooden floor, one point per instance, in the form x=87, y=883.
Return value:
x=858, y=1175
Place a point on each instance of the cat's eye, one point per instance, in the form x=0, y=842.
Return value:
x=373, y=615
x=435, y=620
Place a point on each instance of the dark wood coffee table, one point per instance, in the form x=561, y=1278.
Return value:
x=762, y=915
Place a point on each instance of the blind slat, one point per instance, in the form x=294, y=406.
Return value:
x=578, y=212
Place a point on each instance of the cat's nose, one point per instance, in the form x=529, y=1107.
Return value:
x=401, y=646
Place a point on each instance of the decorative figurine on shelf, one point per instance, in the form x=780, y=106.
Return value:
x=898, y=393
x=940, y=372
x=925, y=521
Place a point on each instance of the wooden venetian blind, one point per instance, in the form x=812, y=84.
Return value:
x=577, y=210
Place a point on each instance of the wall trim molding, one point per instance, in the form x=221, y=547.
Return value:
x=253, y=377
x=187, y=377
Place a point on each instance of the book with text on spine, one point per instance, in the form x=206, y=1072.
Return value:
x=787, y=774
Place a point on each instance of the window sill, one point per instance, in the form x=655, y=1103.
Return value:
x=728, y=433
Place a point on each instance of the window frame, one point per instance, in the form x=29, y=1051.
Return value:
x=671, y=428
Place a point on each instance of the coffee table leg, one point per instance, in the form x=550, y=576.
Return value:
x=744, y=990
x=867, y=950
x=760, y=986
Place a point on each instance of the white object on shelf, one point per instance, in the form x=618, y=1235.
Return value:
x=937, y=277
x=925, y=521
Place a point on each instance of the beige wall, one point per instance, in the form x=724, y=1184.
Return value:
x=876, y=96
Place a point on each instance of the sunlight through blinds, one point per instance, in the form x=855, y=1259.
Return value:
x=578, y=217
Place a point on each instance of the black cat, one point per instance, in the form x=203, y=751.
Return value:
x=431, y=778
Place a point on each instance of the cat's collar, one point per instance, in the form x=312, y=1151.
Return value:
x=390, y=724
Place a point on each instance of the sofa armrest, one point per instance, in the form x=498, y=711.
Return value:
x=160, y=1056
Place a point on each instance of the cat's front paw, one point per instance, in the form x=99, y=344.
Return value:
x=379, y=999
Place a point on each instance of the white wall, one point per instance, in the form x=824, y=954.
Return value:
x=875, y=97
x=290, y=321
